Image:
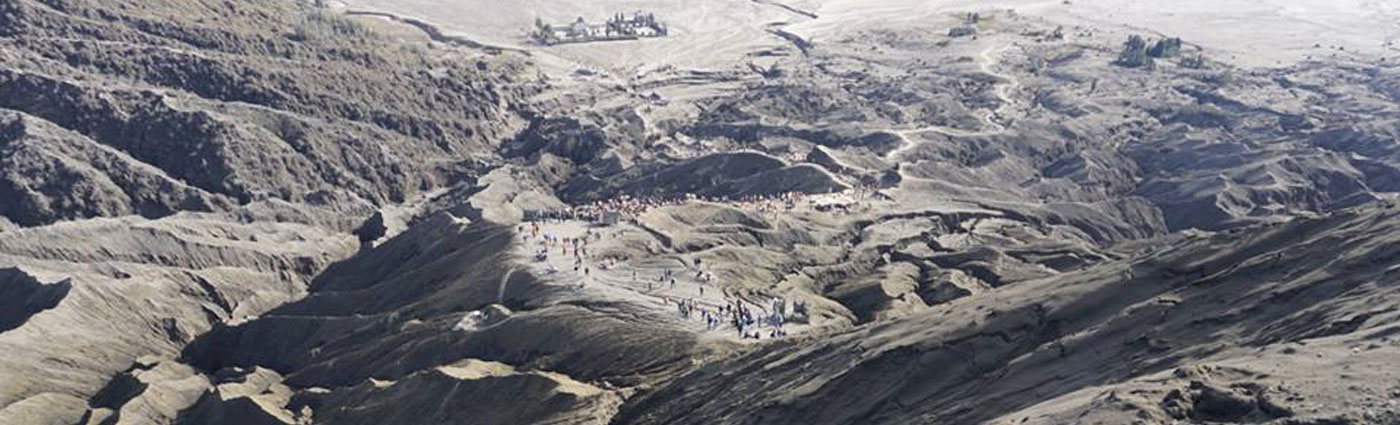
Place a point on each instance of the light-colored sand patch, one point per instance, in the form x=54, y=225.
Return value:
x=476, y=369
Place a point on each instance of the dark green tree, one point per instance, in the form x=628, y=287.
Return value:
x=1134, y=54
x=1165, y=48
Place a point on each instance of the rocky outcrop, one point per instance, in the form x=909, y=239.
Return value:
x=244, y=396
x=150, y=391
x=569, y=138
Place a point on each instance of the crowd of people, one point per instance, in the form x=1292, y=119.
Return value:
x=575, y=248
x=748, y=320
x=628, y=208
x=745, y=320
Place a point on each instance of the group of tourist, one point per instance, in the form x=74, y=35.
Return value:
x=578, y=246
x=745, y=321
x=630, y=208
x=748, y=322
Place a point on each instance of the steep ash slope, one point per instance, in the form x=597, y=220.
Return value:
x=53, y=173
x=78, y=313
x=265, y=100
x=447, y=304
x=1205, y=328
x=283, y=123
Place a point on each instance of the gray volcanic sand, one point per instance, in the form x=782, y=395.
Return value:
x=294, y=212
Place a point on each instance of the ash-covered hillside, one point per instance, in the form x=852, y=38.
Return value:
x=151, y=108
x=710, y=211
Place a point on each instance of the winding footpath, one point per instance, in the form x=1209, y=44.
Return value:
x=436, y=34
x=989, y=58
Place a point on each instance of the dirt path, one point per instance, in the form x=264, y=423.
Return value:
x=436, y=34
x=789, y=8
x=990, y=57
x=776, y=28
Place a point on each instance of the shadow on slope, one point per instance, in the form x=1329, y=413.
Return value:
x=407, y=306
x=983, y=357
x=23, y=296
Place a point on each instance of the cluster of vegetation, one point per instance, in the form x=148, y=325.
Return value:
x=319, y=25
x=1137, y=53
x=1134, y=54
x=968, y=27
